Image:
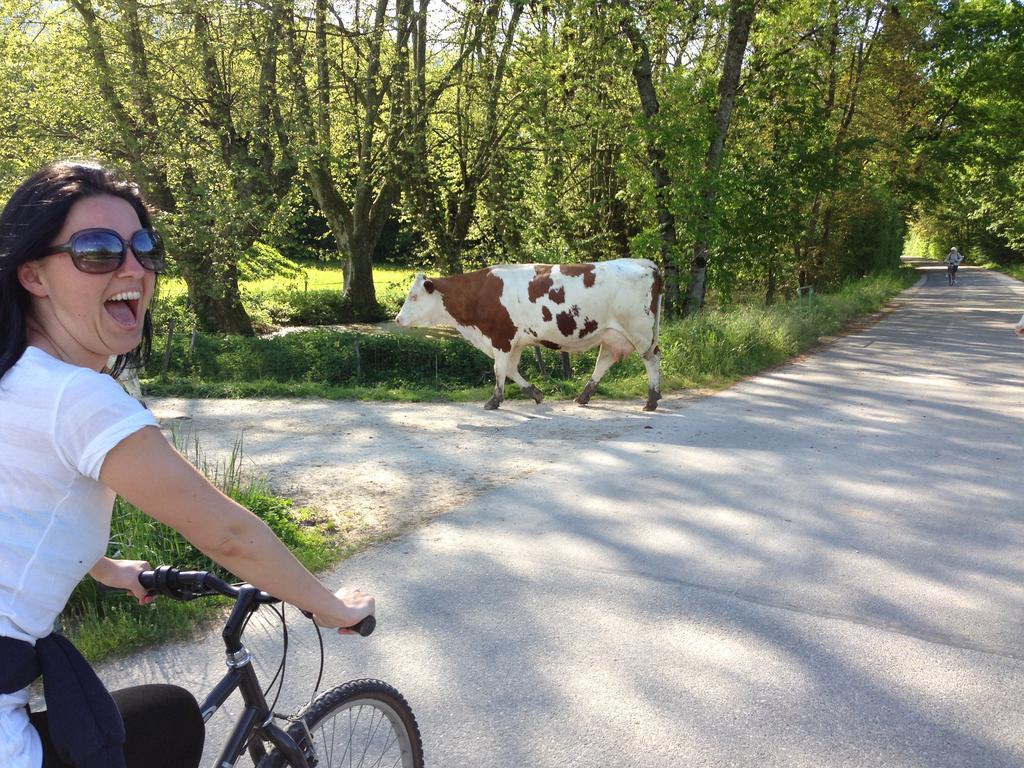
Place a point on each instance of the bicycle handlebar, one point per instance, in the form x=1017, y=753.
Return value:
x=188, y=585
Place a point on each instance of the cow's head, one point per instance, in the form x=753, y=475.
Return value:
x=1020, y=327
x=423, y=305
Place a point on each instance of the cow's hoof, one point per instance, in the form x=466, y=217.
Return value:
x=584, y=397
x=652, y=401
x=492, y=404
x=536, y=394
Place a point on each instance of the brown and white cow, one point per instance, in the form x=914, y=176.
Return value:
x=572, y=307
x=1019, y=328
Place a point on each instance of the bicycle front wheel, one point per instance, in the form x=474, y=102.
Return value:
x=360, y=723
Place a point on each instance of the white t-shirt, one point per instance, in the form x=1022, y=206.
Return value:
x=57, y=424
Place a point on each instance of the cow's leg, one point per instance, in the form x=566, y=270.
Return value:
x=652, y=362
x=501, y=361
x=517, y=377
x=611, y=351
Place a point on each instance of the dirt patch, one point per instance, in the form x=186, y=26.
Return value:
x=378, y=468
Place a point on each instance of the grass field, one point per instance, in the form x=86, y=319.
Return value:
x=312, y=278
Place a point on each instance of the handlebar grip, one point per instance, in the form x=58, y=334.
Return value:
x=365, y=627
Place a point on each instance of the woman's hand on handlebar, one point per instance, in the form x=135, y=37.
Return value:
x=123, y=574
x=354, y=605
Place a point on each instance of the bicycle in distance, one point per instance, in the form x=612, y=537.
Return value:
x=358, y=723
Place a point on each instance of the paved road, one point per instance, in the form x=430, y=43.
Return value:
x=822, y=566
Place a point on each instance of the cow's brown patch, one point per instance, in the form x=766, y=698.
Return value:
x=549, y=344
x=474, y=299
x=541, y=282
x=575, y=310
x=655, y=292
x=566, y=323
x=557, y=296
x=586, y=271
x=546, y=314
x=589, y=326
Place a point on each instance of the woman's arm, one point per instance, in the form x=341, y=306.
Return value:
x=147, y=471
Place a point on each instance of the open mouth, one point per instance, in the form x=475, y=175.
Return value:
x=124, y=308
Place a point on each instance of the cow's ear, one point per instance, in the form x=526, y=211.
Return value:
x=428, y=285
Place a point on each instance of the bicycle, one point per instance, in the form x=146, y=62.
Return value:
x=358, y=723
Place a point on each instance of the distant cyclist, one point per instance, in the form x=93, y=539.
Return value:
x=952, y=261
x=78, y=266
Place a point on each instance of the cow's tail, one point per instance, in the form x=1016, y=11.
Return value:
x=657, y=298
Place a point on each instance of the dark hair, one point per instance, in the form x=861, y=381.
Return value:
x=30, y=221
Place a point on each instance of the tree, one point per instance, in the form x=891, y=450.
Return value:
x=741, y=17
x=970, y=167
x=212, y=223
x=446, y=173
x=643, y=76
x=352, y=171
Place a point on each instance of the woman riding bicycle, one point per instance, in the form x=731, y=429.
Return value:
x=952, y=261
x=78, y=266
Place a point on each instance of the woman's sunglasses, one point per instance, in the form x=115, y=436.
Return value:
x=98, y=251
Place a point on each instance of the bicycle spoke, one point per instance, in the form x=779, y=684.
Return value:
x=369, y=741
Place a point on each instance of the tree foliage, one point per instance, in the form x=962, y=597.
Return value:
x=779, y=143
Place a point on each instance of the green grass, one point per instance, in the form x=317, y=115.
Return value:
x=103, y=623
x=719, y=347
x=311, y=278
x=1015, y=271
x=710, y=349
x=323, y=278
x=303, y=296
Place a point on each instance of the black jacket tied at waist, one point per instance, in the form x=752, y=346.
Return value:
x=85, y=726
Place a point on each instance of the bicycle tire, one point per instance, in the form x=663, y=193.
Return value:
x=356, y=711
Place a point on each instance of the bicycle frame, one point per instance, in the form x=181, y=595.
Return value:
x=256, y=719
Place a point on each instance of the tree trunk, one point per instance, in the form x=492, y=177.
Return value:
x=213, y=294
x=741, y=17
x=359, y=288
